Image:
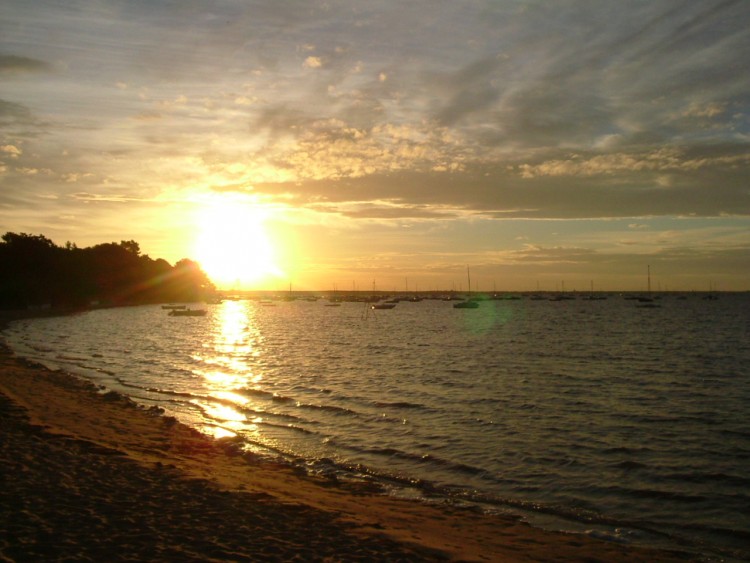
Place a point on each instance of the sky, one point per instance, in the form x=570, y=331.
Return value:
x=358, y=144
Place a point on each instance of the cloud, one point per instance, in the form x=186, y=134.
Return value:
x=710, y=109
x=670, y=159
x=555, y=255
x=391, y=212
x=474, y=91
x=15, y=114
x=11, y=150
x=16, y=64
x=313, y=62
x=32, y=171
x=710, y=186
x=74, y=177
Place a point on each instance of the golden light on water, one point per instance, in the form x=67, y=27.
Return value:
x=232, y=397
x=224, y=413
x=233, y=245
x=233, y=342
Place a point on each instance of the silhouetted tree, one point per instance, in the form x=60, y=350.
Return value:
x=35, y=272
x=131, y=246
x=27, y=263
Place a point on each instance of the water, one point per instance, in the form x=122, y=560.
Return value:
x=596, y=416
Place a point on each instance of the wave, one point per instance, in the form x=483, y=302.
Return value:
x=626, y=450
x=281, y=398
x=286, y=427
x=697, y=477
x=71, y=358
x=288, y=416
x=262, y=393
x=630, y=465
x=161, y=391
x=400, y=405
x=284, y=399
x=657, y=494
x=416, y=458
x=327, y=408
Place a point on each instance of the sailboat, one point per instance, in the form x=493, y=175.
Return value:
x=711, y=295
x=469, y=303
x=647, y=302
x=593, y=297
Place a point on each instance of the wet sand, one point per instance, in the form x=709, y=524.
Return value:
x=89, y=476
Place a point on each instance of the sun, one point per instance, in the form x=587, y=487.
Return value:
x=232, y=244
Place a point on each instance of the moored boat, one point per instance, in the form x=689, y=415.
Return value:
x=187, y=313
x=468, y=304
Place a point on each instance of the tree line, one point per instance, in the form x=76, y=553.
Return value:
x=37, y=273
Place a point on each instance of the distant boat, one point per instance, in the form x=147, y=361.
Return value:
x=648, y=301
x=592, y=296
x=187, y=313
x=711, y=296
x=173, y=307
x=469, y=303
x=506, y=297
x=561, y=295
x=383, y=305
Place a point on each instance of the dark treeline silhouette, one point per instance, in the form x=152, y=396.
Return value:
x=36, y=273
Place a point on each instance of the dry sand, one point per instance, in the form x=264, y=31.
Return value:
x=89, y=476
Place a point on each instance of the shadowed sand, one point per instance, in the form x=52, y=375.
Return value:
x=88, y=476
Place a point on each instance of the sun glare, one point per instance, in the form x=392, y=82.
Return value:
x=232, y=245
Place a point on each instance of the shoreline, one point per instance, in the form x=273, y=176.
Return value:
x=88, y=474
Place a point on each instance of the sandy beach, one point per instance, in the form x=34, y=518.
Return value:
x=87, y=475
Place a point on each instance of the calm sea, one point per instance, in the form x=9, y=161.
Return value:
x=599, y=417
